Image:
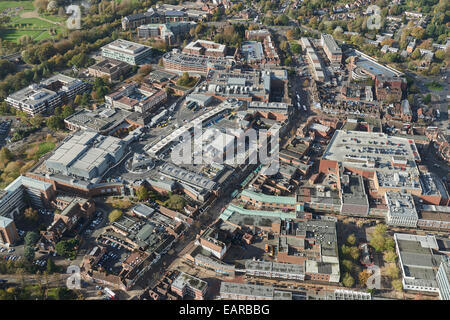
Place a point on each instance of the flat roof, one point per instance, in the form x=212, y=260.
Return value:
x=253, y=290
x=400, y=204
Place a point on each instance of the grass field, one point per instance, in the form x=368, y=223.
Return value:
x=14, y=35
x=27, y=5
x=44, y=147
x=34, y=23
x=37, y=28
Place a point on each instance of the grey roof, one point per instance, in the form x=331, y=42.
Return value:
x=143, y=210
x=5, y=222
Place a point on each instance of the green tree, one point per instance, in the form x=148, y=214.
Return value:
x=55, y=123
x=115, y=215
x=28, y=253
x=348, y=280
x=175, y=202
x=347, y=265
x=51, y=266
x=5, y=155
x=390, y=256
x=392, y=271
x=397, y=285
x=31, y=238
x=142, y=193
x=351, y=239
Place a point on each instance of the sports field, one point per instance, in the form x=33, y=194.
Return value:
x=25, y=20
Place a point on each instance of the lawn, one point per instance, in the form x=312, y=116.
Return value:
x=33, y=23
x=27, y=5
x=45, y=147
x=14, y=35
x=434, y=85
x=33, y=26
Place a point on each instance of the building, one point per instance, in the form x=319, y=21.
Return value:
x=101, y=120
x=206, y=48
x=200, y=99
x=243, y=291
x=276, y=270
x=443, y=278
x=136, y=97
x=332, y=50
x=239, y=84
x=182, y=62
x=8, y=232
x=389, y=89
x=165, y=14
x=86, y=155
x=50, y=93
x=267, y=202
x=142, y=210
x=270, y=110
x=354, y=197
x=187, y=285
x=434, y=217
x=260, y=52
x=109, y=68
x=401, y=210
x=216, y=241
x=417, y=261
x=126, y=51
x=168, y=32
x=12, y=200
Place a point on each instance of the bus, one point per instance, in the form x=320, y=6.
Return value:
x=110, y=293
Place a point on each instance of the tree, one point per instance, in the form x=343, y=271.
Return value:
x=67, y=248
x=28, y=253
x=290, y=34
x=5, y=155
x=31, y=215
x=390, y=256
x=347, y=265
x=397, y=285
x=363, y=277
x=348, y=280
x=142, y=193
x=427, y=98
x=31, y=238
x=392, y=271
x=416, y=54
x=51, y=267
x=55, y=123
x=175, y=202
x=351, y=239
x=115, y=215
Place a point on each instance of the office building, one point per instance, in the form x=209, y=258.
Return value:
x=127, y=51
x=417, y=261
x=86, y=155
x=243, y=291
x=443, y=278
x=331, y=48
x=206, y=48
x=401, y=210
x=136, y=97
x=187, y=285
x=8, y=232
x=50, y=93
x=109, y=68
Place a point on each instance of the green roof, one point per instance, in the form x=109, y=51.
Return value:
x=269, y=199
